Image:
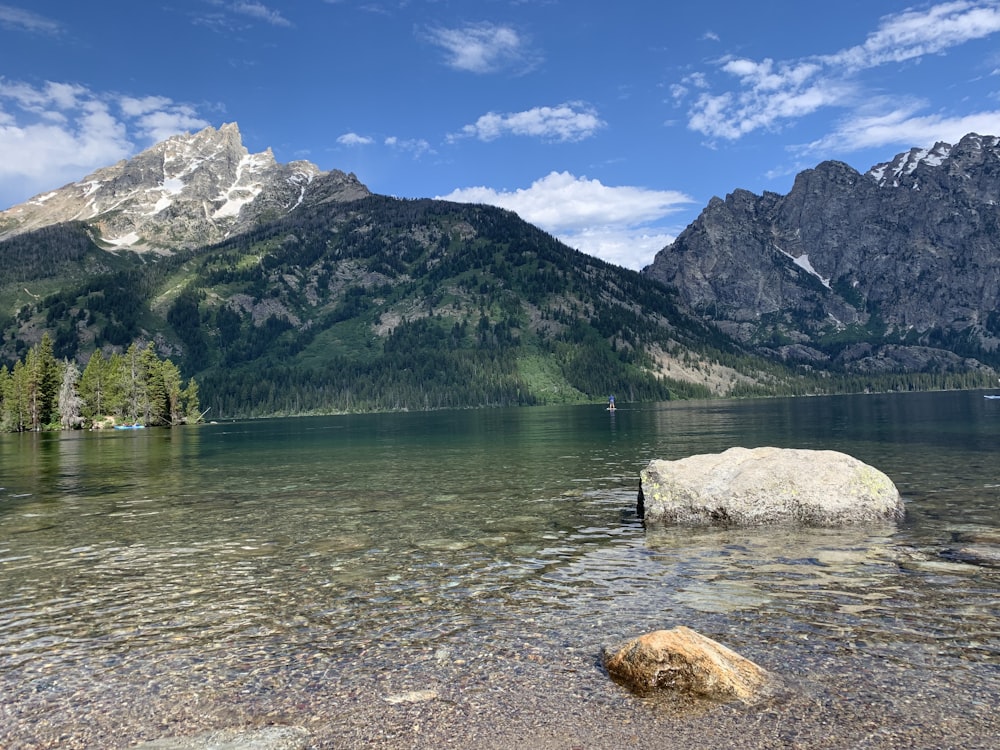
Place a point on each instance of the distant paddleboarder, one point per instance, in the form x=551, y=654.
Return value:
x=611, y=403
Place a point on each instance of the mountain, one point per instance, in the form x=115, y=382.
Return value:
x=188, y=191
x=897, y=269
x=286, y=290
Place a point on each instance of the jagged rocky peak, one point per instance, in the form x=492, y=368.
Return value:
x=903, y=255
x=972, y=150
x=189, y=190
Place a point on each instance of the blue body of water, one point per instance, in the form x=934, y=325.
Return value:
x=413, y=580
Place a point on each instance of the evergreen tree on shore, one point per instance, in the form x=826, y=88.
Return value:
x=135, y=388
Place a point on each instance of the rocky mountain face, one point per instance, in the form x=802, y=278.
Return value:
x=894, y=269
x=188, y=191
x=285, y=289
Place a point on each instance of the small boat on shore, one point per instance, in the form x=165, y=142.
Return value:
x=130, y=426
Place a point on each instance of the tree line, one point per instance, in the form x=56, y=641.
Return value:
x=42, y=392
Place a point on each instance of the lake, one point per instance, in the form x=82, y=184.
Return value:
x=448, y=579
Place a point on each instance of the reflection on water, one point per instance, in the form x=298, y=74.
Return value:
x=208, y=576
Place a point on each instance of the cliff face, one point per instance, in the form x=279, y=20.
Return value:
x=854, y=266
x=187, y=191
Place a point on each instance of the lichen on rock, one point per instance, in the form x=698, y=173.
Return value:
x=684, y=660
x=749, y=487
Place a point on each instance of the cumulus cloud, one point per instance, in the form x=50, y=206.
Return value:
x=629, y=247
x=572, y=121
x=618, y=224
x=481, y=48
x=353, y=139
x=56, y=133
x=769, y=93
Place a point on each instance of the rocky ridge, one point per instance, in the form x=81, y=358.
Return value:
x=185, y=192
x=895, y=268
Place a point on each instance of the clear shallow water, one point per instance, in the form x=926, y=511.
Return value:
x=423, y=579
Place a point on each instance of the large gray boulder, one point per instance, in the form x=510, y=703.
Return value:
x=748, y=487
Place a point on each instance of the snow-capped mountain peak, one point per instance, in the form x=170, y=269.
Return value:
x=901, y=171
x=889, y=173
x=189, y=190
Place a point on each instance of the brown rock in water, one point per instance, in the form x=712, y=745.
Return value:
x=684, y=660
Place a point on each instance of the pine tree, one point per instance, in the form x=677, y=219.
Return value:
x=192, y=406
x=116, y=390
x=171, y=377
x=42, y=383
x=133, y=385
x=153, y=400
x=94, y=386
x=4, y=385
x=15, y=403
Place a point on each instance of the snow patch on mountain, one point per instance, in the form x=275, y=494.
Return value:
x=41, y=199
x=128, y=240
x=895, y=173
x=802, y=261
x=171, y=186
x=889, y=173
x=239, y=194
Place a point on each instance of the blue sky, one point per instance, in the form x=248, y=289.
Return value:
x=610, y=125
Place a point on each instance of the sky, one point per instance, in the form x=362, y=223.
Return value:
x=609, y=125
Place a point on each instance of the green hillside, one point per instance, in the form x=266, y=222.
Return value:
x=377, y=304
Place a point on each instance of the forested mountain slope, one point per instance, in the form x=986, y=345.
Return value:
x=287, y=290
x=383, y=303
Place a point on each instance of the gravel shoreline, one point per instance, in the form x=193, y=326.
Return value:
x=536, y=707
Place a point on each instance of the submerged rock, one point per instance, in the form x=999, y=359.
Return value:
x=684, y=660
x=747, y=487
x=412, y=696
x=983, y=555
x=979, y=535
x=268, y=738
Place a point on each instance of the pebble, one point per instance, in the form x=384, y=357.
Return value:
x=413, y=696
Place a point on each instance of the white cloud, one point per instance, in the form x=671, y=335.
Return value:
x=157, y=126
x=902, y=125
x=157, y=117
x=571, y=121
x=771, y=93
x=228, y=17
x=415, y=146
x=481, y=48
x=915, y=33
x=353, y=139
x=134, y=107
x=58, y=133
x=629, y=247
x=613, y=223
x=261, y=13
x=18, y=19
